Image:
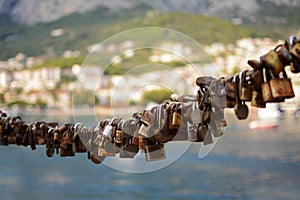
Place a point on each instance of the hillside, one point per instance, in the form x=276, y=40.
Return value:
x=37, y=11
x=82, y=30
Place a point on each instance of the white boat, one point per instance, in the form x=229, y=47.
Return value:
x=267, y=118
x=263, y=124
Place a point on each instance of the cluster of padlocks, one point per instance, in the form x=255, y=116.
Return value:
x=198, y=118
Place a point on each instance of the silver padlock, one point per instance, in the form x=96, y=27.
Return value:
x=108, y=131
x=195, y=115
x=143, y=130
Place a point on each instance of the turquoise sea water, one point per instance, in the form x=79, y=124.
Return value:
x=245, y=164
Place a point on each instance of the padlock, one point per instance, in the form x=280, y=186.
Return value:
x=204, y=80
x=267, y=91
x=25, y=139
x=256, y=80
x=106, y=147
x=295, y=61
x=230, y=92
x=240, y=109
x=218, y=93
x=282, y=87
x=50, y=150
x=128, y=126
x=195, y=114
x=146, y=118
x=192, y=132
x=18, y=132
x=257, y=99
x=273, y=61
x=176, y=116
x=78, y=146
x=245, y=87
x=154, y=128
x=144, y=131
x=128, y=149
x=218, y=122
x=295, y=65
x=255, y=64
x=295, y=51
x=162, y=115
x=284, y=54
x=1, y=128
x=108, y=131
x=39, y=133
x=66, y=147
x=31, y=141
x=119, y=137
x=202, y=132
x=95, y=158
x=204, y=97
x=142, y=142
x=5, y=132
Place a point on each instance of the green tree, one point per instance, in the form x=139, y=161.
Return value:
x=156, y=95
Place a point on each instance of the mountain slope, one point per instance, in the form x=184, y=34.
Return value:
x=81, y=30
x=36, y=11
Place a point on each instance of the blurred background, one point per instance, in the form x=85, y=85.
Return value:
x=43, y=54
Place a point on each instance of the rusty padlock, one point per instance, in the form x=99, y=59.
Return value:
x=295, y=63
x=230, y=92
x=176, y=116
x=257, y=99
x=240, y=108
x=245, y=87
x=267, y=91
x=282, y=87
x=272, y=60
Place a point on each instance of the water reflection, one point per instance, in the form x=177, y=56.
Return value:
x=280, y=143
x=245, y=164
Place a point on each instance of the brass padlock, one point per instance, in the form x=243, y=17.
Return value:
x=273, y=61
x=257, y=99
x=284, y=54
x=267, y=91
x=282, y=87
x=245, y=87
x=119, y=137
x=176, y=116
